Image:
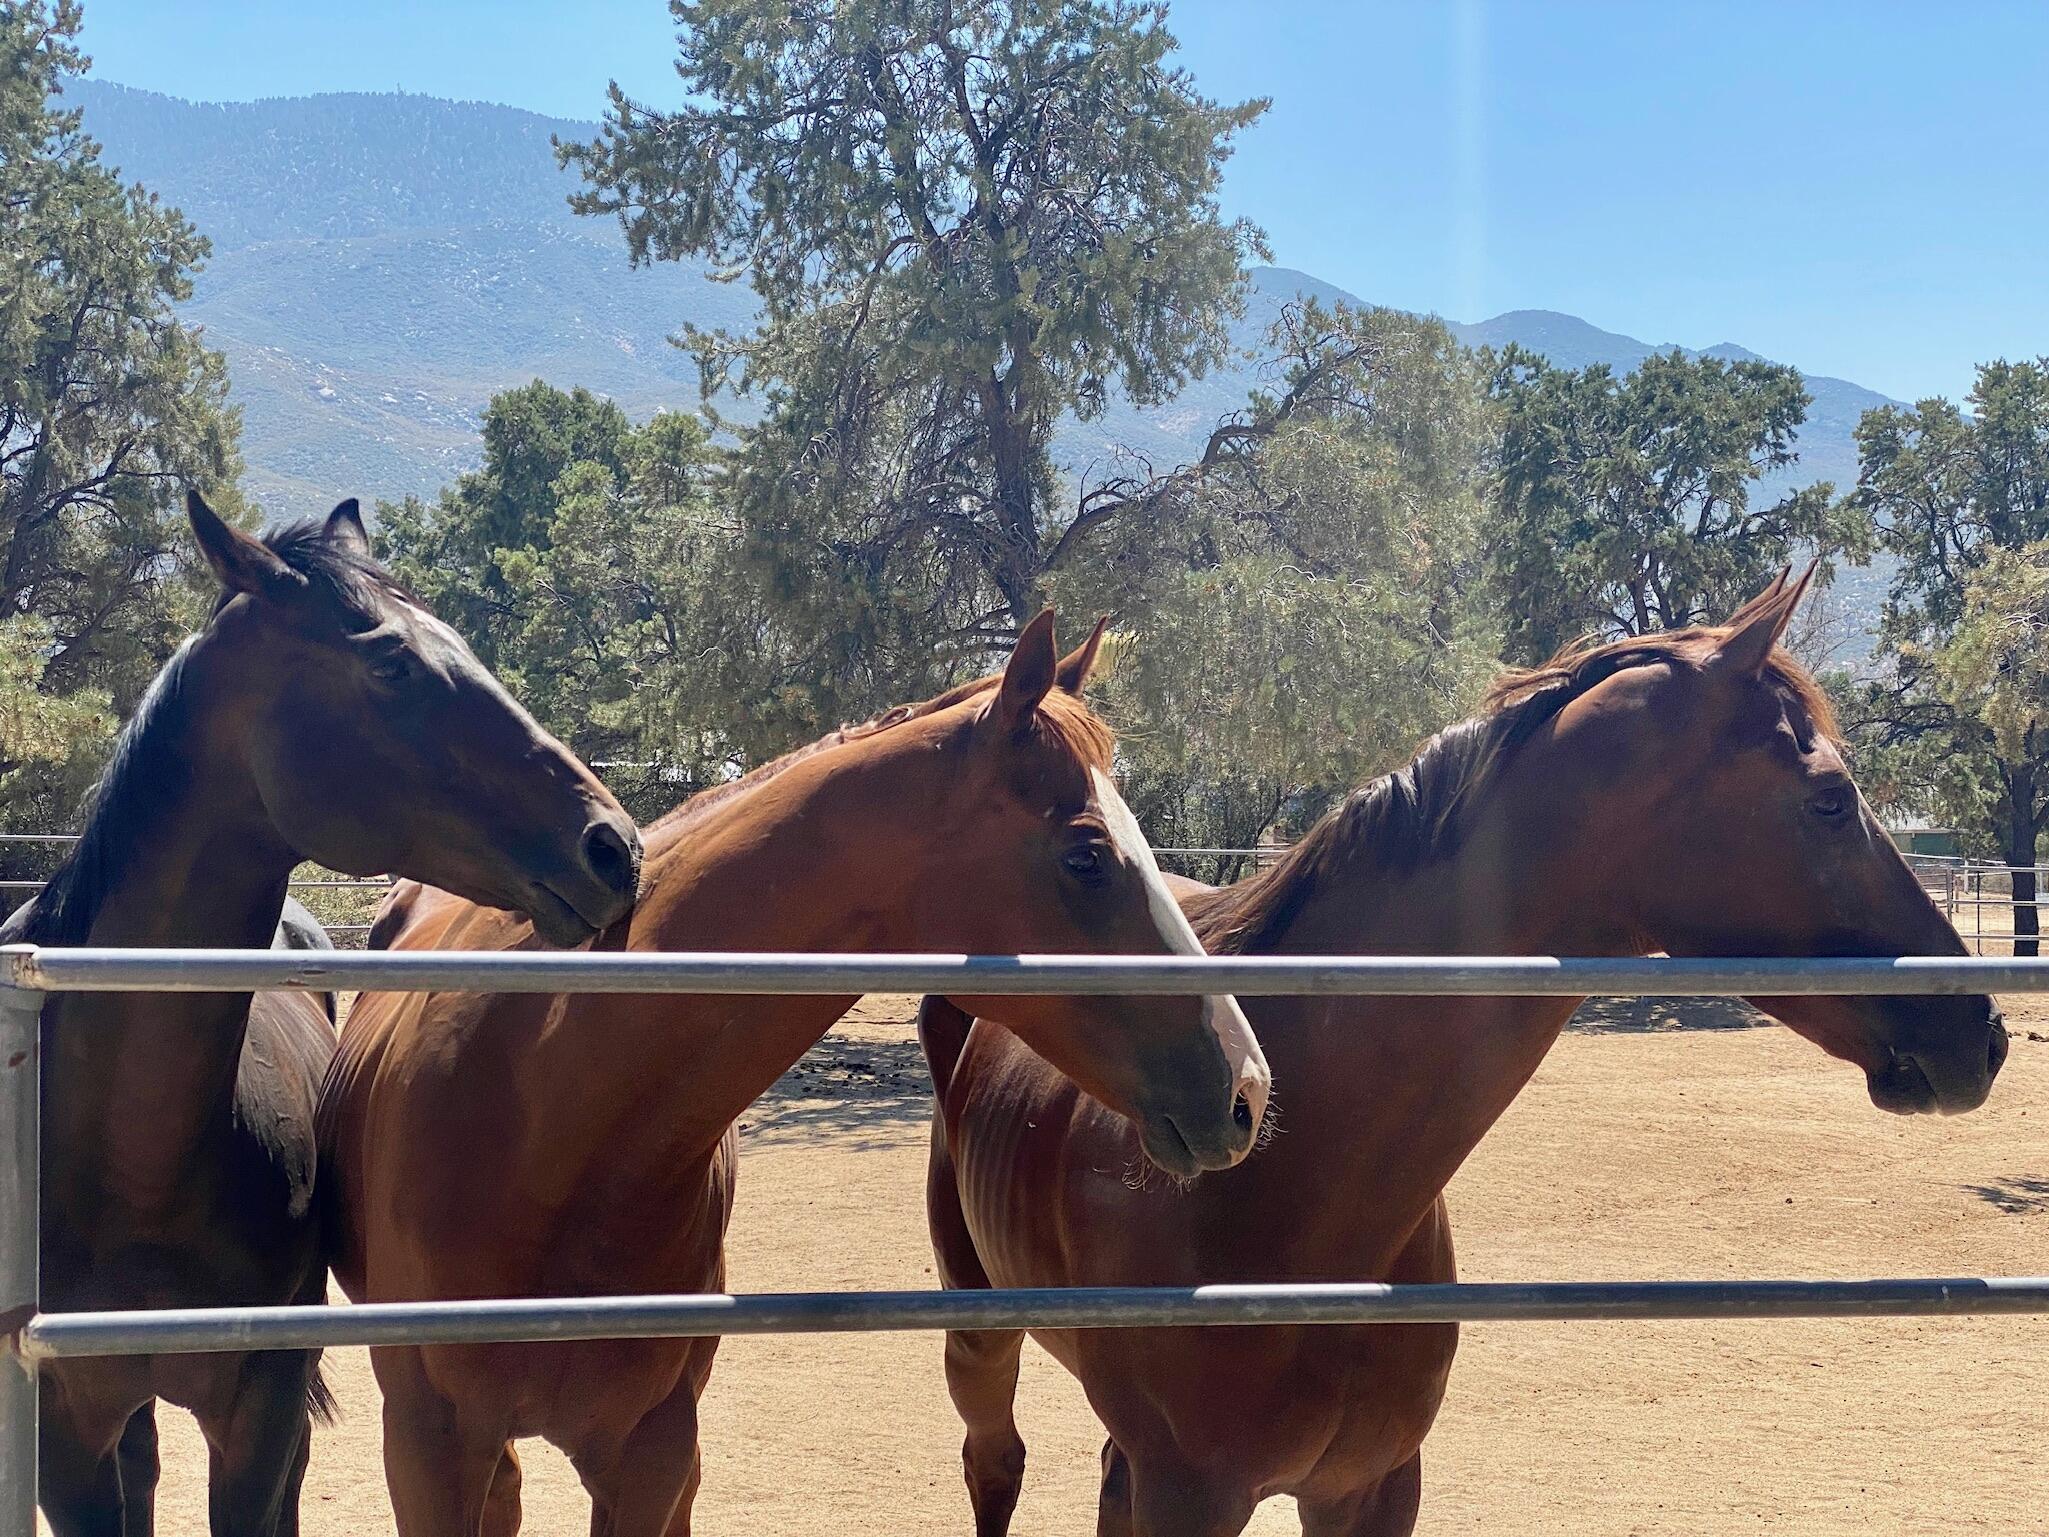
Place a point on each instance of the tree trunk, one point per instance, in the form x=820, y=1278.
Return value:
x=2020, y=855
x=1019, y=560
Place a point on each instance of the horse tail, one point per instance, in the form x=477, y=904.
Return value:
x=320, y=1400
x=943, y=1033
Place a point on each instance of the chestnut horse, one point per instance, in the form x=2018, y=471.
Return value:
x=1682, y=792
x=485, y=1146
x=320, y=714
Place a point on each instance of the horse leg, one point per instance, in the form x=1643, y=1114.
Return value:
x=260, y=1439
x=1388, y=1509
x=79, y=1488
x=981, y=1364
x=645, y=1485
x=502, y=1509
x=441, y=1473
x=981, y=1375
x=1171, y=1499
x=295, y=1484
x=1113, y=1504
x=140, y=1469
x=87, y=1413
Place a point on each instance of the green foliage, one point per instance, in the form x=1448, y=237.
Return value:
x=1297, y=615
x=583, y=562
x=50, y=743
x=1623, y=505
x=1947, y=488
x=964, y=220
x=1953, y=726
x=449, y=553
x=108, y=407
x=1995, y=668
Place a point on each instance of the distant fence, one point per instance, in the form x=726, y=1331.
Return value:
x=1977, y=897
x=339, y=902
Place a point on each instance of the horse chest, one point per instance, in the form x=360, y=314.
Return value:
x=638, y=1229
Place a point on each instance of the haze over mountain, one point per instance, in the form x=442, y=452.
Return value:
x=384, y=263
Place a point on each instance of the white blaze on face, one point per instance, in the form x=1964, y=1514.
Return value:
x=1233, y=1031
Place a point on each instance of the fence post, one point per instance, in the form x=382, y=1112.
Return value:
x=20, y=1172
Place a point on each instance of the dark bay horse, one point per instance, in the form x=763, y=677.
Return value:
x=1682, y=792
x=483, y=1146
x=320, y=714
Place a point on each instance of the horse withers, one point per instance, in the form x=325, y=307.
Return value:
x=321, y=714
x=563, y=1146
x=1682, y=792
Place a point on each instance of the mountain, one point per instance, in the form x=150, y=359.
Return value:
x=383, y=264
x=1828, y=445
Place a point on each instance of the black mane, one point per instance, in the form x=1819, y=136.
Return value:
x=145, y=772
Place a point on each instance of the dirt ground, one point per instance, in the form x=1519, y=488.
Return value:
x=1649, y=1146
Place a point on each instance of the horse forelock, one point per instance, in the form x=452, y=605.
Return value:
x=1579, y=667
x=1069, y=722
x=352, y=584
x=1418, y=813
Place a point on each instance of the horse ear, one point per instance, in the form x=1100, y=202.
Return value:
x=1073, y=672
x=1759, y=624
x=345, y=527
x=243, y=564
x=1027, y=676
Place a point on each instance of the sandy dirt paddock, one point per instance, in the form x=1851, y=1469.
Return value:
x=1638, y=1152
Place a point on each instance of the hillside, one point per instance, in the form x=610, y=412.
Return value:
x=384, y=263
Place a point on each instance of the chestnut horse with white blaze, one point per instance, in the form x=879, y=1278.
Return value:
x=483, y=1146
x=1682, y=792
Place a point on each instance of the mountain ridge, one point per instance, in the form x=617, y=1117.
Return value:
x=385, y=262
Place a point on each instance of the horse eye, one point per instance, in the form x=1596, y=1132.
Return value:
x=1830, y=803
x=391, y=669
x=1084, y=862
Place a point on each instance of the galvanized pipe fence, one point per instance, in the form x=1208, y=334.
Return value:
x=29, y=1337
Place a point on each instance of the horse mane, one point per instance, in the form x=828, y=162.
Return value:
x=705, y=800
x=1414, y=815
x=1072, y=723
x=144, y=770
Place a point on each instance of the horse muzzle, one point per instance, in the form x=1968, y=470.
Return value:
x=1949, y=1080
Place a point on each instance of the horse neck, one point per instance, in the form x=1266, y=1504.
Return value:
x=775, y=869
x=1385, y=1097
x=134, y=1082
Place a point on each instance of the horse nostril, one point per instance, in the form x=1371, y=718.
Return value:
x=609, y=856
x=1241, y=1113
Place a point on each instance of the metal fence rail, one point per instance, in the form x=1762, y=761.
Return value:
x=201, y=971
x=689, y=1314
x=28, y=1336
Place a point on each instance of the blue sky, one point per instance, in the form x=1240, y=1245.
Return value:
x=1860, y=188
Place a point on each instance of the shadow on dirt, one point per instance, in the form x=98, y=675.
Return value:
x=2016, y=1195
x=1635, y=1016
x=860, y=1094
x=868, y=1094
